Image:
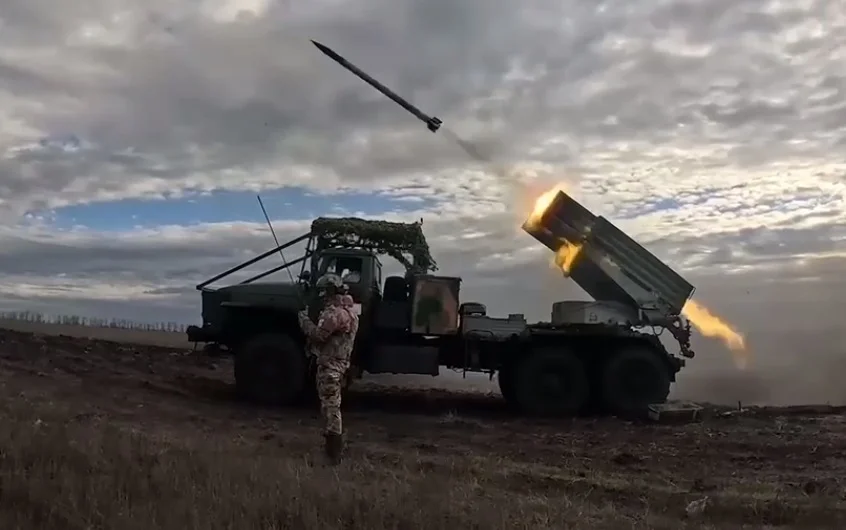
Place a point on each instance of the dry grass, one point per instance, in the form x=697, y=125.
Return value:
x=61, y=474
x=99, y=435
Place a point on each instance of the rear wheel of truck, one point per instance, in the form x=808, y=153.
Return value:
x=551, y=383
x=505, y=378
x=270, y=369
x=634, y=378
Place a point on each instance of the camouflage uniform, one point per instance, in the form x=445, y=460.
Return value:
x=331, y=341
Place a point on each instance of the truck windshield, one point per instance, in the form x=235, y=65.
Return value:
x=348, y=268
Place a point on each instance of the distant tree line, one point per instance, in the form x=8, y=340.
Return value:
x=76, y=320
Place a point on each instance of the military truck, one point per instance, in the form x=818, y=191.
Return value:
x=591, y=355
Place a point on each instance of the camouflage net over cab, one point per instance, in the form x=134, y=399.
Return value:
x=404, y=242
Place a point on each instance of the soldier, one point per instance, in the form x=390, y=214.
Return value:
x=331, y=342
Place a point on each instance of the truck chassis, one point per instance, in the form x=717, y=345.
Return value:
x=590, y=356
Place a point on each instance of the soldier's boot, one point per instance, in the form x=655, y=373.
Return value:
x=334, y=447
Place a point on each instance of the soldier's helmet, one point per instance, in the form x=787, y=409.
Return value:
x=330, y=284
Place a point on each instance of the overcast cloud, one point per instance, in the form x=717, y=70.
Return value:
x=712, y=132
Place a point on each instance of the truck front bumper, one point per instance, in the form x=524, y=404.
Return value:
x=200, y=334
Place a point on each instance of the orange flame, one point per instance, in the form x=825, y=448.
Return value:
x=541, y=204
x=711, y=325
x=566, y=256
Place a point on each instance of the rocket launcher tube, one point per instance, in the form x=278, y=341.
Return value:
x=611, y=266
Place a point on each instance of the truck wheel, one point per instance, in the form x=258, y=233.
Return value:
x=633, y=379
x=270, y=369
x=505, y=378
x=551, y=383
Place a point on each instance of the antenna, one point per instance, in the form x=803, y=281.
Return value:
x=275, y=239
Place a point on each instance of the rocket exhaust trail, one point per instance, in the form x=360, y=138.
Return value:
x=466, y=146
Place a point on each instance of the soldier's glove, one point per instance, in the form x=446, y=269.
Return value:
x=302, y=317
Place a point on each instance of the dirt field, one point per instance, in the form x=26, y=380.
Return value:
x=155, y=338
x=95, y=434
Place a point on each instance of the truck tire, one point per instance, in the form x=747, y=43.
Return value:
x=551, y=383
x=270, y=369
x=505, y=378
x=634, y=378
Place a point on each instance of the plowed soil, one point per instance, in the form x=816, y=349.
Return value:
x=97, y=434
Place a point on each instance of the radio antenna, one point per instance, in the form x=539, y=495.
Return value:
x=275, y=239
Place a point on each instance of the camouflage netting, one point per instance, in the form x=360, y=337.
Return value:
x=404, y=242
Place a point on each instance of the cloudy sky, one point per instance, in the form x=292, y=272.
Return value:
x=136, y=135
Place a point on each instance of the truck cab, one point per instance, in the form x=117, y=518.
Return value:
x=361, y=270
x=416, y=304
